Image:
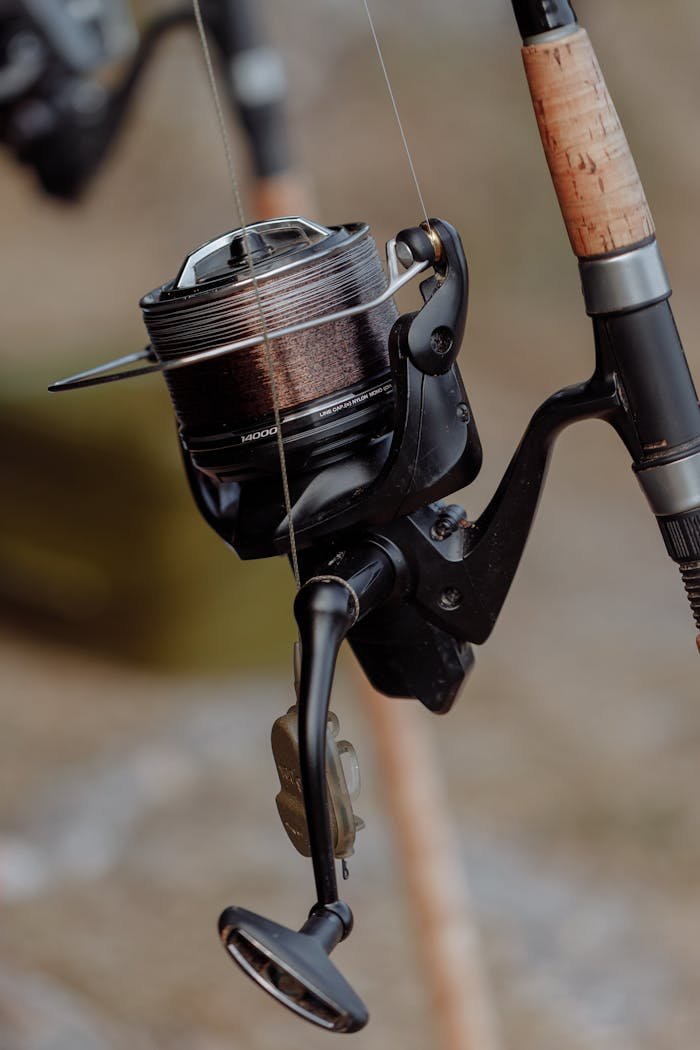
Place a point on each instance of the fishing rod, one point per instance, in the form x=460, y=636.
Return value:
x=623, y=278
x=316, y=422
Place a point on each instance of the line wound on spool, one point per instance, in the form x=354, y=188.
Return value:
x=304, y=275
x=114, y=371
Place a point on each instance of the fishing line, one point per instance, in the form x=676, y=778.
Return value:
x=396, y=112
x=266, y=341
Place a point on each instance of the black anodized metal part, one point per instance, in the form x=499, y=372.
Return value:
x=542, y=16
x=644, y=350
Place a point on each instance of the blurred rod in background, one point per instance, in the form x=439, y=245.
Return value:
x=62, y=105
x=446, y=932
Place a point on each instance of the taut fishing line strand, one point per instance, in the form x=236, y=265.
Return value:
x=266, y=341
x=300, y=297
x=392, y=96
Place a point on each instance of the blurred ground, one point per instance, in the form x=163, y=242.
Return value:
x=134, y=804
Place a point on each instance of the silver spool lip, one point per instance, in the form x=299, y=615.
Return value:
x=223, y=285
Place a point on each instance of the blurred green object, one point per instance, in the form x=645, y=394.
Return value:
x=101, y=545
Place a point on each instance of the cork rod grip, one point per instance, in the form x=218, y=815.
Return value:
x=595, y=178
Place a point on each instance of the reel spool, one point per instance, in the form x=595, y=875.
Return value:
x=333, y=386
x=292, y=313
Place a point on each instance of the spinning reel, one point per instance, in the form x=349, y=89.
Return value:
x=377, y=429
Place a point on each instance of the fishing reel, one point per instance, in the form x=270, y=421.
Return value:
x=315, y=422
x=377, y=427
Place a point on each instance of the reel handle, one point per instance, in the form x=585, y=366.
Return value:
x=292, y=966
